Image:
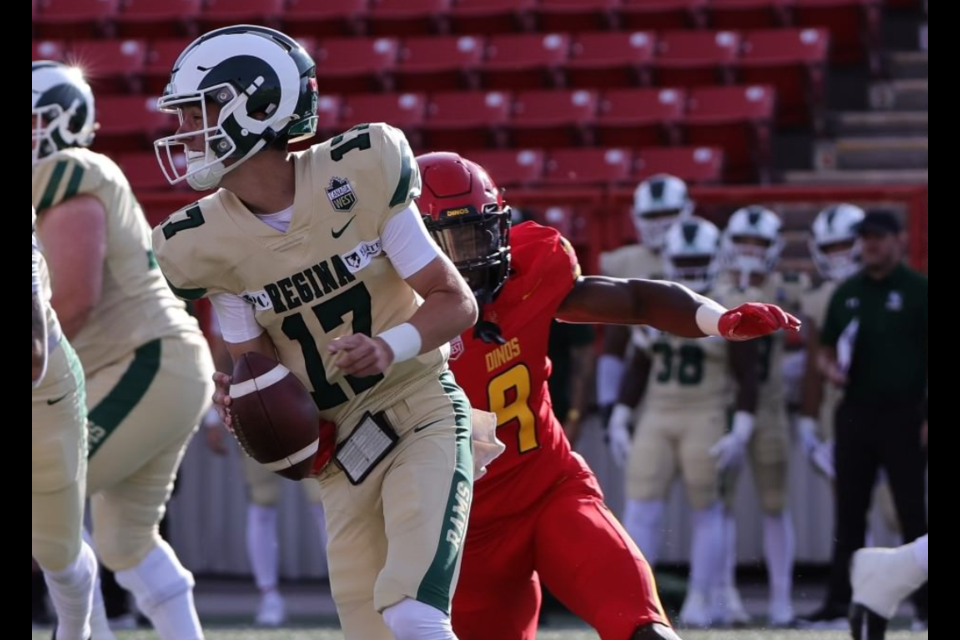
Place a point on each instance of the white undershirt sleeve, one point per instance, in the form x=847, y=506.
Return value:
x=236, y=317
x=407, y=242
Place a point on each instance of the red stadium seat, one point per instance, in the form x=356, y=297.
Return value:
x=581, y=167
x=749, y=14
x=700, y=165
x=854, y=25
x=111, y=66
x=738, y=120
x=572, y=223
x=161, y=57
x=576, y=15
x=640, y=117
x=793, y=61
x=130, y=123
x=601, y=60
x=662, y=14
x=158, y=18
x=75, y=18
x=225, y=13
x=491, y=16
x=407, y=17
x=405, y=111
x=355, y=65
x=466, y=120
x=323, y=18
x=513, y=167
x=48, y=50
x=552, y=119
x=696, y=58
x=143, y=172
x=438, y=63
x=519, y=62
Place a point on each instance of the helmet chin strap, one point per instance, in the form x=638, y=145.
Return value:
x=488, y=332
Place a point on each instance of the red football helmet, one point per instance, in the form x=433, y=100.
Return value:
x=465, y=213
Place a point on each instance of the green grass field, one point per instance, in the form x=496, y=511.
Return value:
x=299, y=634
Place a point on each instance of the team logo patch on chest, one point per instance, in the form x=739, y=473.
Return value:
x=341, y=194
x=362, y=254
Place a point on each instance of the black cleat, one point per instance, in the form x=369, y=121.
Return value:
x=655, y=631
x=867, y=625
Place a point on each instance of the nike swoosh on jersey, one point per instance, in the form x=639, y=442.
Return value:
x=426, y=426
x=337, y=234
x=50, y=403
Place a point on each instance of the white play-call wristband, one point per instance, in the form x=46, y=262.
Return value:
x=404, y=340
x=708, y=318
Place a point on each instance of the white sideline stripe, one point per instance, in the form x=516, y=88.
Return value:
x=294, y=459
x=270, y=378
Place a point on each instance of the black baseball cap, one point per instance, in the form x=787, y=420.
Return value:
x=880, y=222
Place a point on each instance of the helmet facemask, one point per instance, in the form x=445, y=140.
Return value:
x=652, y=226
x=696, y=271
x=837, y=260
x=478, y=244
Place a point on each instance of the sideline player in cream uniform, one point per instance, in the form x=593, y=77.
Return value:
x=681, y=431
x=321, y=259
x=835, y=248
x=658, y=203
x=147, y=365
x=59, y=469
x=752, y=246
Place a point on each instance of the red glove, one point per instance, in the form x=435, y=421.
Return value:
x=755, y=320
x=328, y=446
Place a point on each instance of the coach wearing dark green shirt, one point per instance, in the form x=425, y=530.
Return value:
x=875, y=347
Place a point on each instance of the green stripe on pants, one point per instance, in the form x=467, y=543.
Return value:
x=437, y=586
x=124, y=398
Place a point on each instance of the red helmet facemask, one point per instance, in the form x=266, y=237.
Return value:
x=465, y=213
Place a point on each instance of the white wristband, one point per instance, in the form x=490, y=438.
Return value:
x=404, y=340
x=708, y=318
x=743, y=425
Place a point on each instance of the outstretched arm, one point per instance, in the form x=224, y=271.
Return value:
x=668, y=307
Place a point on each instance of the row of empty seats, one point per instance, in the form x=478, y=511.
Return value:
x=736, y=119
x=534, y=167
x=792, y=60
x=849, y=20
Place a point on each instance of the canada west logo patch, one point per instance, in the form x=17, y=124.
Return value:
x=341, y=194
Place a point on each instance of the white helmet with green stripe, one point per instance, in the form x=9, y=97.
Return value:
x=63, y=109
x=265, y=85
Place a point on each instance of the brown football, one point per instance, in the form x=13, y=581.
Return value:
x=275, y=419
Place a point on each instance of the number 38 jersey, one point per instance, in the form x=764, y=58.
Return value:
x=688, y=375
x=325, y=277
x=510, y=380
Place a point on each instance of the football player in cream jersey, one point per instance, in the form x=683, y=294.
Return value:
x=320, y=259
x=658, y=202
x=835, y=248
x=685, y=385
x=59, y=465
x=752, y=246
x=146, y=363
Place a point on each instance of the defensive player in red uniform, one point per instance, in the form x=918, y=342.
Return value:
x=539, y=513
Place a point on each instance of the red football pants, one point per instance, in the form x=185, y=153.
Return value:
x=571, y=542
